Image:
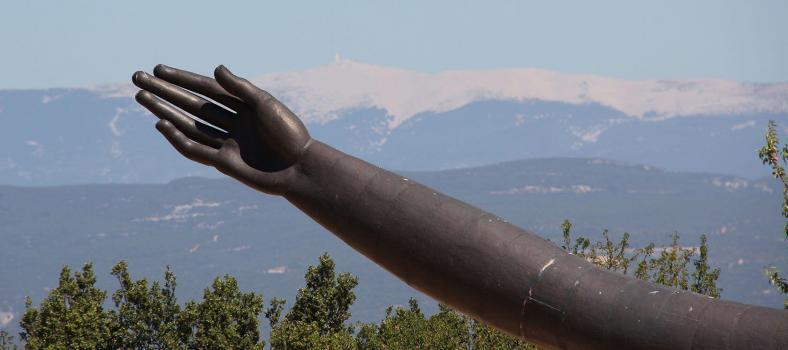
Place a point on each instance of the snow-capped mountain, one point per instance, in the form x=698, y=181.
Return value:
x=322, y=93
x=417, y=121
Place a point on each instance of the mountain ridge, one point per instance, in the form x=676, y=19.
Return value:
x=61, y=136
x=322, y=93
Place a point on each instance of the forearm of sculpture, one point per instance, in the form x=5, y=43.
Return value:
x=458, y=254
x=513, y=279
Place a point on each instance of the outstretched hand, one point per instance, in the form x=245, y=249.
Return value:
x=255, y=139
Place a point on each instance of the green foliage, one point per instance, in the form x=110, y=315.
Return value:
x=776, y=157
x=319, y=320
x=609, y=255
x=408, y=328
x=670, y=268
x=581, y=244
x=486, y=337
x=306, y=335
x=778, y=282
x=771, y=154
x=643, y=271
x=704, y=278
x=326, y=298
x=320, y=312
x=145, y=318
x=226, y=318
x=7, y=341
x=402, y=328
x=566, y=228
x=71, y=316
x=274, y=312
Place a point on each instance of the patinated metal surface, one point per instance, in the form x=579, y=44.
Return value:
x=462, y=256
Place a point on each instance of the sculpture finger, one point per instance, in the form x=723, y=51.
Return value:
x=240, y=87
x=194, y=129
x=195, y=151
x=198, y=106
x=200, y=84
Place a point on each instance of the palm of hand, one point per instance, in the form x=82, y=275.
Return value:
x=258, y=139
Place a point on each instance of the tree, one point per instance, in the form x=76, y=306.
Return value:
x=704, y=277
x=609, y=255
x=318, y=318
x=778, y=282
x=145, y=318
x=671, y=268
x=306, y=335
x=71, y=316
x=6, y=341
x=776, y=157
x=486, y=337
x=226, y=318
x=580, y=245
x=326, y=298
x=408, y=328
x=401, y=328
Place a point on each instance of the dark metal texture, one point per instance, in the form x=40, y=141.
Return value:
x=462, y=256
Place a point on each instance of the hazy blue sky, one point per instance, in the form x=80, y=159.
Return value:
x=72, y=43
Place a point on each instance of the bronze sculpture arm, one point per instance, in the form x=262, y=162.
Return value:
x=464, y=257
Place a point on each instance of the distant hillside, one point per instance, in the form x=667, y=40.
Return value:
x=204, y=228
x=412, y=121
